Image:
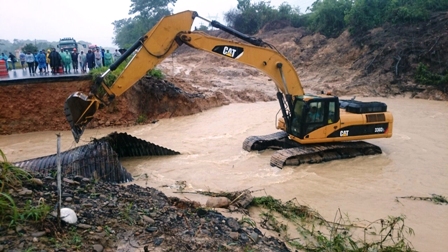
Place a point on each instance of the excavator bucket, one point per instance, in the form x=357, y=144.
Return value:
x=79, y=110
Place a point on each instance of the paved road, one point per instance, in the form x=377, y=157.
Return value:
x=23, y=76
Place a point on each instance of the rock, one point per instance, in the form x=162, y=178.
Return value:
x=97, y=248
x=151, y=229
x=254, y=236
x=36, y=181
x=218, y=202
x=19, y=229
x=234, y=235
x=25, y=191
x=158, y=241
x=101, y=228
x=233, y=224
x=70, y=181
x=78, y=178
x=38, y=234
x=148, y=219
x=84, y=226
x=68, y=199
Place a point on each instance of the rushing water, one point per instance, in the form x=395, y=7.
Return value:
x=413, y=163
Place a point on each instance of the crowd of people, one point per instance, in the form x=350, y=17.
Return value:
x=61, y=60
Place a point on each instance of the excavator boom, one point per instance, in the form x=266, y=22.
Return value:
x=152, y=48
x=160, y=42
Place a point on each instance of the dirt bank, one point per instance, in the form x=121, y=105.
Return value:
x=39, y=107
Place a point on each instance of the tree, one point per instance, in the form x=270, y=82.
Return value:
x=327, y=16
x=201, y=28
x=149, y=8
x=148, y=13
x=30, y=48
x=249, y=18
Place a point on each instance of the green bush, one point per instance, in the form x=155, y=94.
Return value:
x=156, y=73
x=327, y=16
x=12, y=177
x=424, y=76
x=332, y=17
x=110, y=79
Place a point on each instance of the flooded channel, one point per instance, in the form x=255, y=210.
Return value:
x=413, y=163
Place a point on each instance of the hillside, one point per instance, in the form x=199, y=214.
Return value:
x=381, y=62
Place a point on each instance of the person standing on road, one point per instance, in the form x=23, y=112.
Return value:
x=55, y=60
x=36, y=61
x=102, y=56
x=42, y=61
x=13, y=59
x=117, y=55
x=29, y=58
x=67, y=59
x=22, y=60
x=108, y=58
x=90, y=57
x=75, y=55
x=98, y=58
x=47, y=56
x=82, y=61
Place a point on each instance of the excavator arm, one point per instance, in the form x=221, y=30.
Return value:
x=160, y=42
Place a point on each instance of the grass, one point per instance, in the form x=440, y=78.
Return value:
x=11, y=178
x=317, y=234
x=424, y=76
x=127, y=214
x=112, y=76
x=141, y=119
x=435, y=198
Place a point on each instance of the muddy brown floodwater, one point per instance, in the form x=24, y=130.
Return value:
x=414, y=163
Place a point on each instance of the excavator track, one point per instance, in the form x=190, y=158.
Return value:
x=292, y=153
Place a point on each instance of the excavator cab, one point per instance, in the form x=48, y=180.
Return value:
x=325, y=119
x=311, y=113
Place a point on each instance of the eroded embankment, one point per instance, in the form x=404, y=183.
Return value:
x=37, y=105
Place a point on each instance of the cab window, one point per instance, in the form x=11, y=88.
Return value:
x=297, y=118
x=331, y=112
x=315, y=114
x=314, y=118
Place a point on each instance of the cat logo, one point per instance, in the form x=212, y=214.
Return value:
x=343, y=133
x=229, y=51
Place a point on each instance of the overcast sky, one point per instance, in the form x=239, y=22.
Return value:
x=91, y=20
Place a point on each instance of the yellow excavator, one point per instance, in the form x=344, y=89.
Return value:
x=313, y=128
